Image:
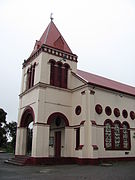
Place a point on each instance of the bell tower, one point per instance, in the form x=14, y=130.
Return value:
x=45, y=90
x=50, y=61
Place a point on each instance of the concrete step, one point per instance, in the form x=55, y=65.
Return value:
x=18, y=160
x=13, y=162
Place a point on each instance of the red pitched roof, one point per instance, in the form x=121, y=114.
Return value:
x=106, y=83
x=52, y=37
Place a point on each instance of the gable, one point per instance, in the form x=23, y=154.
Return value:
x=76, y=81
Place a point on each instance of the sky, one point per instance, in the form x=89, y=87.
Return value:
x=100, y=32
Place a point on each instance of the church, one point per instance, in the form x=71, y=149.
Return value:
x=78, y=117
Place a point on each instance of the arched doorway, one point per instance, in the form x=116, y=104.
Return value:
x=57, y=122
x=26, y=122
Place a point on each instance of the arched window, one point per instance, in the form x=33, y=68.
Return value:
x=27, y=80
x=117, y=135
x=126, y=135
x=52, y=71
x=33, y=75
x=108, y=134
x=58, y=73
x=30, y=77
x=65, y=75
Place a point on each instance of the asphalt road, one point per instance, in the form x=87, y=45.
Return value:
x=117, y=171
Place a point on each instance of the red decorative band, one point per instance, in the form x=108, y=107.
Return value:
x=95, y=147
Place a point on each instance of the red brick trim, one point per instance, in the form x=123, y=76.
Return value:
x=83, y=92
x=92, y=92
x=41, y=124
x=75, y=126
x=82, y=122
x=57, y=114
x=70, y=160
x=79, y=147
x=93, y=123
x=25, y=119
x=53, y=51
x=115, y=159
x=57, y=52
x=95, y=147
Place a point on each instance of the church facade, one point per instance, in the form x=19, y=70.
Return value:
x=78, y=117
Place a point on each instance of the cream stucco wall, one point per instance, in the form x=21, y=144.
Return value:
x=114, y=100
x=37, y=72
x=40, y=143
x=21, y=140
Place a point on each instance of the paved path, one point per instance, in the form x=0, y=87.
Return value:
x=118, y=171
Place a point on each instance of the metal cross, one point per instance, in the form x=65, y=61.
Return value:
x=51, y=16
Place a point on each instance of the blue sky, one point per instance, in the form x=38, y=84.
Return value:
x=101, y=33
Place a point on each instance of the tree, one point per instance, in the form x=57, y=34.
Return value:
x=3, y=131
x=11, y=129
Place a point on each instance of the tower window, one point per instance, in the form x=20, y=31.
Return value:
x=30, y=77
x=59, y=74
x=52, y=73
x=33, y=75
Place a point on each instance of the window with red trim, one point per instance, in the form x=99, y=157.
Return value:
x=27, y=81
x=65, y=75
x=126, y=136
x=30, y=77
x=58, y=74
x=52, y=74
x=108, y=134
x=116, y=135
x=77, y=138
x=33, y=75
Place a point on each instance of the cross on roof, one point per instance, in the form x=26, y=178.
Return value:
x=51, y=17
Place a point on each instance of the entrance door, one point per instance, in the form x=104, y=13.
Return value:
x=58, y=144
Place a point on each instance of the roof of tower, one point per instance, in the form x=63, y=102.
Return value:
x=106, y=83
x=53, y=38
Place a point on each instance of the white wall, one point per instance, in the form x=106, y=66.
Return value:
x=114, y=100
